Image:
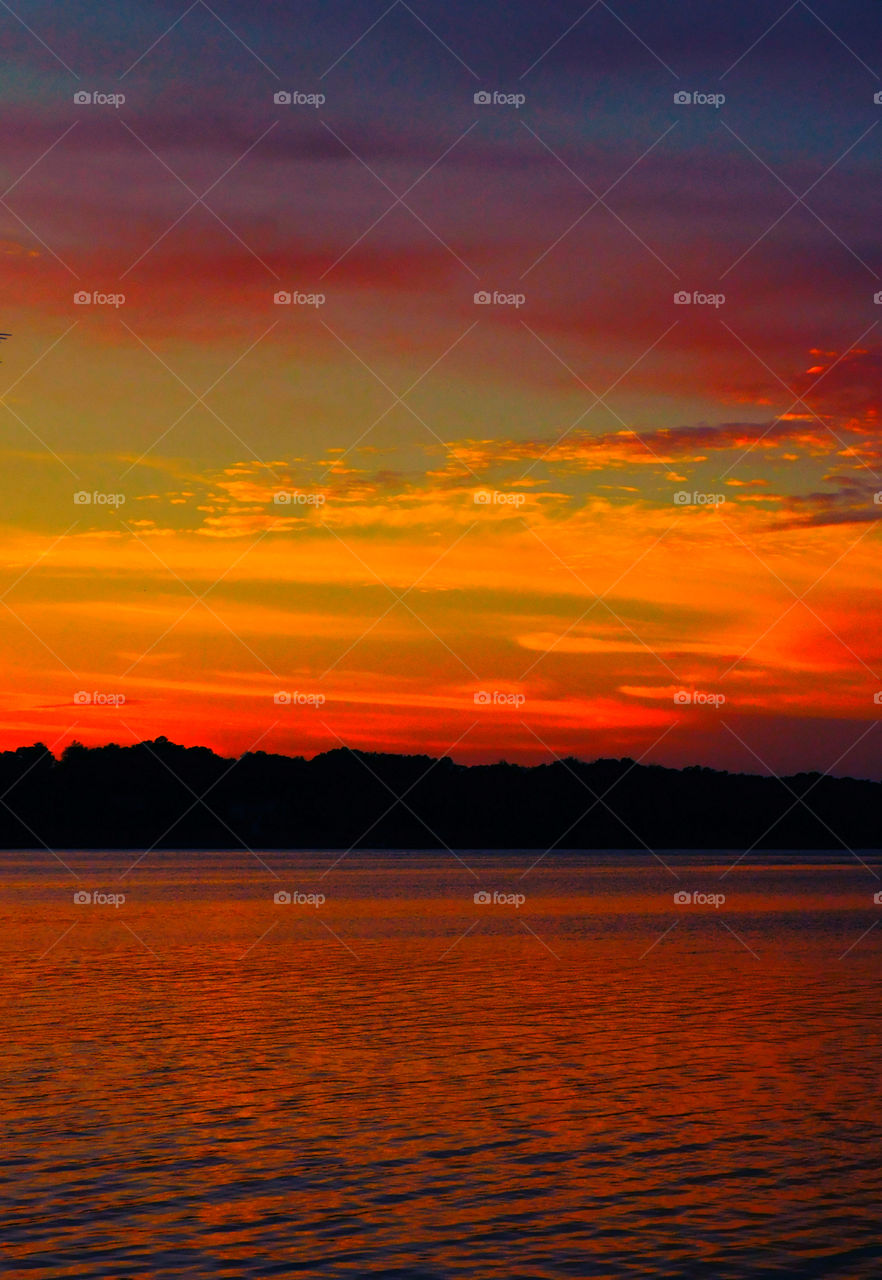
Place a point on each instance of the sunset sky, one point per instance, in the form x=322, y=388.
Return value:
x=484, y=493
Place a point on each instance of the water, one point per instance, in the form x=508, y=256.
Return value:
x=400, y=1082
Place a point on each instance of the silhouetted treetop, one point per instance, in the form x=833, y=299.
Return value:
x=161, y=794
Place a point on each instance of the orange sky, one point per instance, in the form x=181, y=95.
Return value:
x=482, y=497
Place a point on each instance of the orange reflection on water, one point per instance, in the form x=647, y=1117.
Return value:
x=401, y=1081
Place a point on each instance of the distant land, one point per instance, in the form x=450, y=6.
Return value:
x=159, y=795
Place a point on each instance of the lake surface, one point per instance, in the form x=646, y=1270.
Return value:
x=402, y=1082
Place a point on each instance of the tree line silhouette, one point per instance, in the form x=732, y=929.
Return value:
x=159, y=794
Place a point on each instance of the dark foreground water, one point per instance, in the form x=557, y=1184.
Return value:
x=403, y=1082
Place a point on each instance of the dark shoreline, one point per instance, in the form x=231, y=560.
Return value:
x=160, y=795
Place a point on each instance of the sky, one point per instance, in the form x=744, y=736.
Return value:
x=510, y=389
